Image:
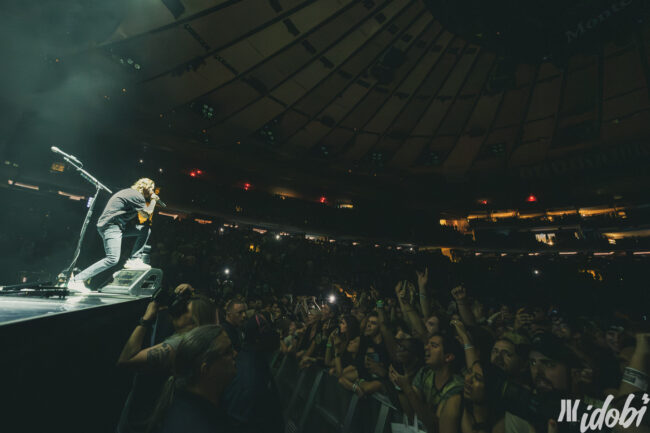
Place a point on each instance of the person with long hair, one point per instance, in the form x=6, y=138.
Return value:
x=345, y=344
x=115, y=223
x=154, y=364
x=191, y=399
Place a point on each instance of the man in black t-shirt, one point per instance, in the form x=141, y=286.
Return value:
x=113, y=224
x=234, y=323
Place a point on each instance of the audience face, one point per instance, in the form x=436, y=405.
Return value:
x=506, y=315
x=237, y=314
x=311, y=318
x=505, y=357
x=432, y=324
x=406, y=349
x=434, y=353
x=358, y=314
x=613, y=338
x=475, y=385
x=561, y=329
x=372, y=327
x=343, y=326
x=538, y=315
x=547, y=374
x=402, y=352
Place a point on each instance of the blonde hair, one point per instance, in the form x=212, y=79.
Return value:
x=143, y=184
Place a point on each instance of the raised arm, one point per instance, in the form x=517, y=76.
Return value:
x=333, y=341
x=413, y=318
x=471, y=356
x=389, y=339
x=635, y=376
x=423, y=278
x=460, y=296
x=155, y=358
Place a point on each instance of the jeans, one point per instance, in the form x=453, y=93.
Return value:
x=112, y=236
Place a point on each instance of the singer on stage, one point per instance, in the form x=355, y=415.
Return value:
x=116, y=223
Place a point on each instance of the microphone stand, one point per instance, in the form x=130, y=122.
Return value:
x=64, y=276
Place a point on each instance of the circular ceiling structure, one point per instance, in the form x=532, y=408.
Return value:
x=404, y=92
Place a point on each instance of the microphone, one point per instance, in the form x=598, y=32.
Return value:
x=60, y=152
x=160, y=202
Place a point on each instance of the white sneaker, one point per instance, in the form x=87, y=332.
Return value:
x=77, y=286
x=136, y=264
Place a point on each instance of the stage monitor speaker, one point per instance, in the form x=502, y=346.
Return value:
x=135, y=282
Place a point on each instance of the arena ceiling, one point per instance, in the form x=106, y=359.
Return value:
x=393, y=93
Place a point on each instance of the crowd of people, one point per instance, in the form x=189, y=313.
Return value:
x=467, y=366
x=461, y=345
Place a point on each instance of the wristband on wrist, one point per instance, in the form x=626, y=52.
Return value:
x=328, y=345
x=635, y=378
x=468, y=346
x=145, y=323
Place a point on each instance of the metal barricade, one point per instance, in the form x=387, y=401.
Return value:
x=314, y=402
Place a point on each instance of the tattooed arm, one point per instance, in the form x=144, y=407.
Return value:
x=158, y=357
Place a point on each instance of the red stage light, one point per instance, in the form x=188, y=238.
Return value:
x=192, y=173
x=247, y=186
x=323, y=199
x=483, y=201
x=531, y=199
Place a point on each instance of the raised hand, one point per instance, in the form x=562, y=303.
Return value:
x=423, y=278
x=459, y=293
x=335, y=337
x=374, y=293
x=399, y=380
x=460, y=329
x=181, y=288
x=459, y=326
x=411, y=291
x=523, y=319
x=152, y=311
x=400, y=290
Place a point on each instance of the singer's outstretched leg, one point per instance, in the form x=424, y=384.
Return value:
x=112, y=237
